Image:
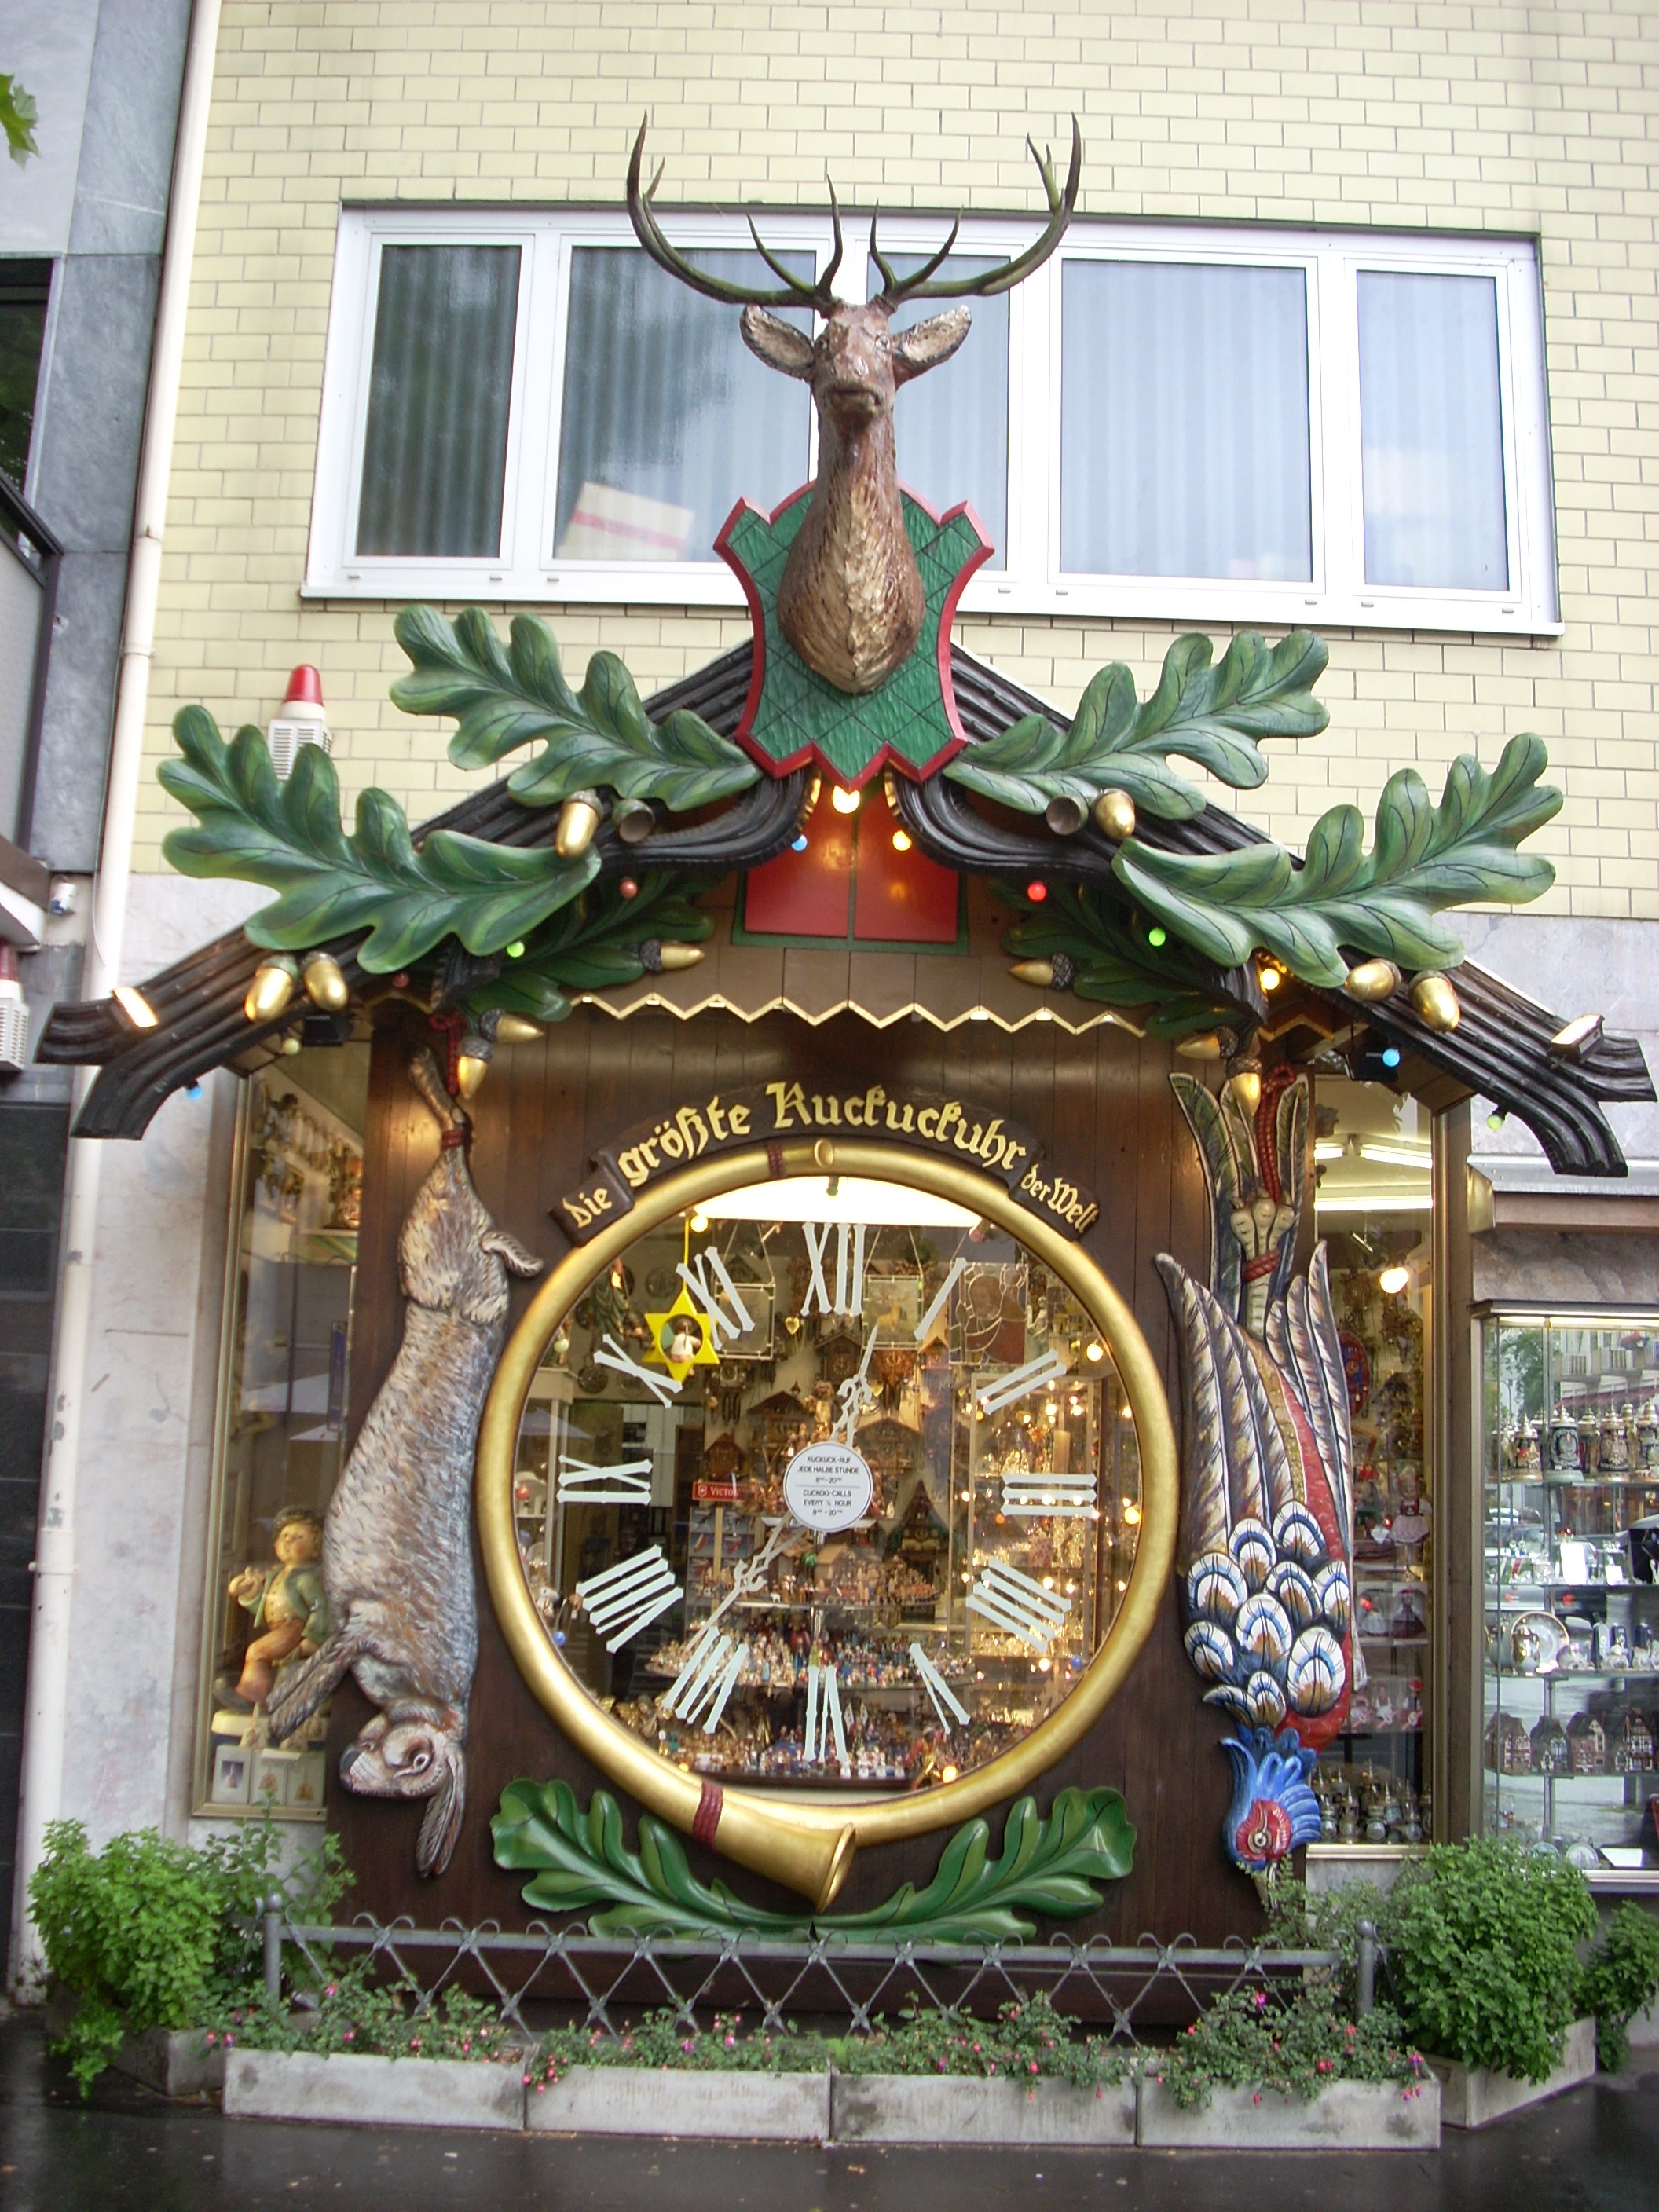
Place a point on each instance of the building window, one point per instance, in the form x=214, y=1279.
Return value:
x=1431, y=432
x=282, y=1439
x=25, y=290
x=434, y=454
x=1214, y=423
x=1184, y=451
x=666, y=424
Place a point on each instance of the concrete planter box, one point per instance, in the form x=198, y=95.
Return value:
x=1348, y=2116
x=409, y=2093
x=630, y=2101
x=173, y=2062
x=1475, y=2096
x=920, y=2108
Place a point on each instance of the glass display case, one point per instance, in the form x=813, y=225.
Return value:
x=1373, y=1158
x=924, y=1625
x=1569, y=1446
x=281, y=1427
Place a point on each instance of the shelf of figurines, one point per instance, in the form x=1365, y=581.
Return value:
x=1361, y=1802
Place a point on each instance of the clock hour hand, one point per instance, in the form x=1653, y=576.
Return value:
x=855, y=1393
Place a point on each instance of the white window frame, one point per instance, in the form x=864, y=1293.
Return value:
x=1033, y=582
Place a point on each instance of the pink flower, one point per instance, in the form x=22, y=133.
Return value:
x=1323, y=2066
x=212, y=2037
x=229, y=2039
x=1257, y=2099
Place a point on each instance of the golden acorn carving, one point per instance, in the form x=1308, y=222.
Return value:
x=325, y=986
x=1039, y=973
x=274, y=981
x=578, y=818
x=514, y=1029
x=1371, y=982
x=1114, y=813
x=1436, y=1001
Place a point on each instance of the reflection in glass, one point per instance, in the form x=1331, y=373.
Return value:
x=435, y=458
x=952, y=423
x=283, y=1444
x=971, y=1583
x=1184, y=421
x=668, y=418
x=1431, y=432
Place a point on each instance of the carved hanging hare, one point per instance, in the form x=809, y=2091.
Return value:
x=397, y=1547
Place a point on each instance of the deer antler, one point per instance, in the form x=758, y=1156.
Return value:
x=797, y=293
x=1062, y=206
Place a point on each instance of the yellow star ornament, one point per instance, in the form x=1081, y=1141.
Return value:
x=681, y=1339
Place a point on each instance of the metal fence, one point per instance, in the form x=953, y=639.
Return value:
x=841, y=1987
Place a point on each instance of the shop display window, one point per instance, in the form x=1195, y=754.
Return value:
x=1372, y=1159
x=1569, y=1462
x=971, y=1572
x=297, y=1195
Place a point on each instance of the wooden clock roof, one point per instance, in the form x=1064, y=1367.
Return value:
x=1500, y=1048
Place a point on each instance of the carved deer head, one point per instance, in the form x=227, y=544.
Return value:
x=851, y=601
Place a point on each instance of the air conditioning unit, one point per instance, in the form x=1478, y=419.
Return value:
x=299, y=723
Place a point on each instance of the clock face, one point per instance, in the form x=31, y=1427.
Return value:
x=827, y=1484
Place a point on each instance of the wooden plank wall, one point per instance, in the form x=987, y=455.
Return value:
x=1101, y=1102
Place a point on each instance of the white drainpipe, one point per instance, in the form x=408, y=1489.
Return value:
x=47, y=1710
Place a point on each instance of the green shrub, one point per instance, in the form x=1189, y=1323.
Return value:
x=151, y=1933
x=351, y=2015
x=1249, y=2040
x=1483, y=1950
x=1029, y=2041
x=1621, y=1978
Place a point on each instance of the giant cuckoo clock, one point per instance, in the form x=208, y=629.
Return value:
x=582, y=871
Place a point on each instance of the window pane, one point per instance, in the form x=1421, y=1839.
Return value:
x=952, y=424
x=434, y=460
x=25, y=286
x=1431, y=432
x=1184, y=421
x=669, y=419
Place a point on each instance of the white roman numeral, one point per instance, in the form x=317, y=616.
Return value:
x=708, y=1678
x=946, y=1704
x=719, y=1319
x=850, y=1237
x=1053, y=1497
x=625, y=1598
x=991, y=1397
x=661, y=1385
x=958, y=1269
x=823, y=1718
x=580, y=1483
x=1011, y=1601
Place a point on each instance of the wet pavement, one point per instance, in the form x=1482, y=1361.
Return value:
x=1593, y=2150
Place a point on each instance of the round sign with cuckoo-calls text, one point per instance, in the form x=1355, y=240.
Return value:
x=829, y=1487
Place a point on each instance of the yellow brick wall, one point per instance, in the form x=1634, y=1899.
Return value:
x=1340, y=111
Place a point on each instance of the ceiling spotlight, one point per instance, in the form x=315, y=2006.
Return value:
x=699, y=1221
x=1392, y=1280
x=845, y=801
x=1094, y=1349
x=1578, y=1038
x=901, y=840
x=1269, y=976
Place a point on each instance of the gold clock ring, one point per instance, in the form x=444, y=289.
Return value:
x=809, y=1848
